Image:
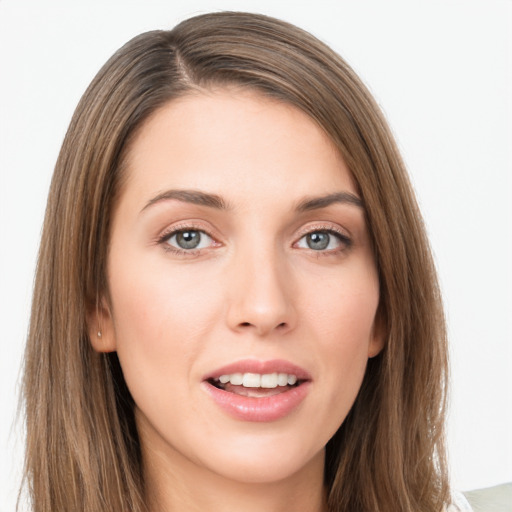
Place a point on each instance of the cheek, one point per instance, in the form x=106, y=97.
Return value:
x=343, y=309
x=161, y=321
x=342, y=317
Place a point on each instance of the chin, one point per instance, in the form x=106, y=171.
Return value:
x=260, y=461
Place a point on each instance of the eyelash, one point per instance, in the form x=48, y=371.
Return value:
x=344, y=240
x=167, y=235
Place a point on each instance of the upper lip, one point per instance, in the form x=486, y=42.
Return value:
x=261, y=367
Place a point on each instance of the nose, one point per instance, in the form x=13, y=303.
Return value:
x=261, y=295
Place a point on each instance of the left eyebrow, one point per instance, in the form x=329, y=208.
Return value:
x=189, y=196
x=316, y=203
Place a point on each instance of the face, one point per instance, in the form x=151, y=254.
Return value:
x=243, y=289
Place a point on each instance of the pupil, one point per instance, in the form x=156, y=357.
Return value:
x=318, y=241
x=188, y=239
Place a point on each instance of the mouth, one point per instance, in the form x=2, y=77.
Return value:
x=256, y=385
x=258, y=391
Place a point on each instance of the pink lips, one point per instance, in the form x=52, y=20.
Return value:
x=261, y=409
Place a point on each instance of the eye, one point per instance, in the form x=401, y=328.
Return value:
x=188, y=239
x=323, y=240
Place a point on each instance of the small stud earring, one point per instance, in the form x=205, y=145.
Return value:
x=99, y=334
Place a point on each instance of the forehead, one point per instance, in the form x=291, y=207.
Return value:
x=234, y=142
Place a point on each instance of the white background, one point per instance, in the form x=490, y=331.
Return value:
x=442, y=71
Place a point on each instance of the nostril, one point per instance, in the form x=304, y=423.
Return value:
x=280, y=326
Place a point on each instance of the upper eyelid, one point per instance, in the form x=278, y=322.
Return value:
x=191, y=225
x=323, y=226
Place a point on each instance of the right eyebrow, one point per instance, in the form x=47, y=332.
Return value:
x=189, y=196
x=316, y=203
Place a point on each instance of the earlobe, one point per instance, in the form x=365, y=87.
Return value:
x=378, y=336
x=100, y=328
x=376, y=346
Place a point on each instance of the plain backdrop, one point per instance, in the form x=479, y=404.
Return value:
x=442, y=72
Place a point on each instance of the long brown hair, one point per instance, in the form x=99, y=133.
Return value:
x=82, y=450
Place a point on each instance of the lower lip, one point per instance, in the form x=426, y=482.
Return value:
x=268, y=408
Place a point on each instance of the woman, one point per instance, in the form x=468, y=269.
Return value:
x=235, y=302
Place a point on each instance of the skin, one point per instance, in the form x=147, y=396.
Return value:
x=254, y=289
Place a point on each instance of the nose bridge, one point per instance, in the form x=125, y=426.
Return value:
x=261, y=298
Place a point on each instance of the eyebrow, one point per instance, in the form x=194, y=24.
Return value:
x=215, y=201
x=316, y=203
x=189, y=196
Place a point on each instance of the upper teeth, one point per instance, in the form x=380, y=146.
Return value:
x=256, y=380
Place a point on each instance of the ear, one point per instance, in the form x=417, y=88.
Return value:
x=378, y=335
x=100, y=327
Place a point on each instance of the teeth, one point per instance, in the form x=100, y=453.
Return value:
x=236, y=379
x=282, y=379
x=256, y=380
x=251, y=380
x=269, y=380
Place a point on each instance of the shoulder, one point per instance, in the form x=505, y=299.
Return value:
x=459, y=503
x=492, y=499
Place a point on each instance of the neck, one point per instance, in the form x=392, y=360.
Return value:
x=177, y=484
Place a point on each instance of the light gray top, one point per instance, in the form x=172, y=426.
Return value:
x=492, y=499
x=459, y=503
